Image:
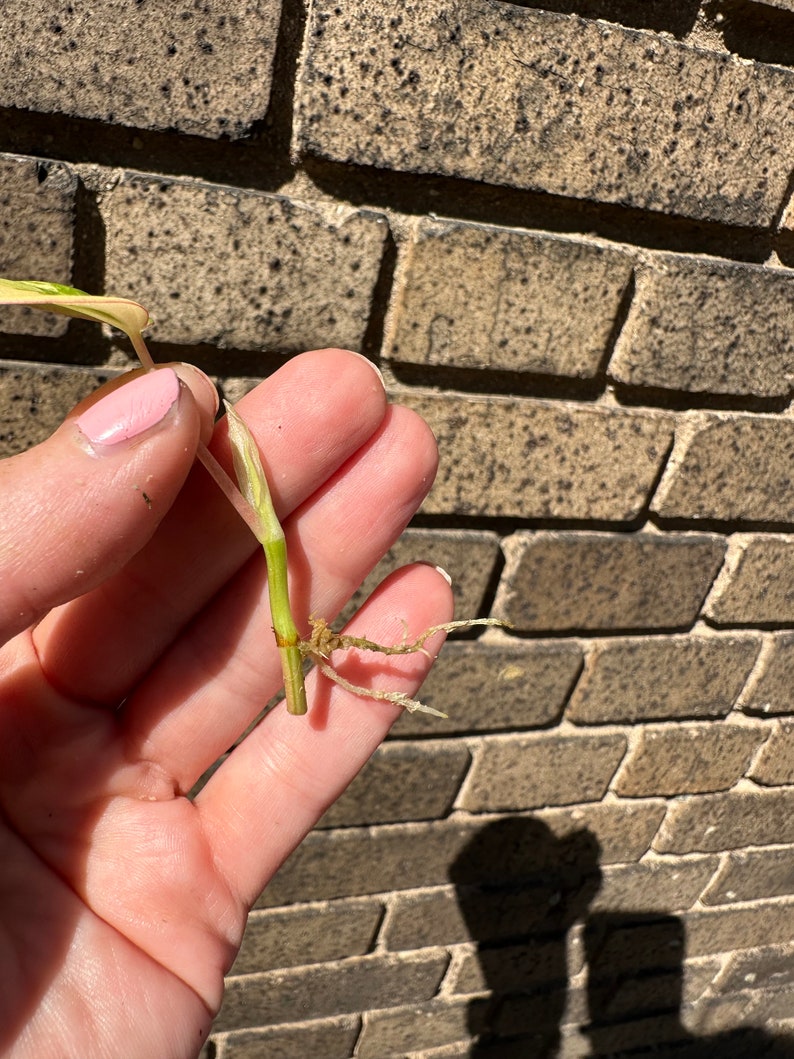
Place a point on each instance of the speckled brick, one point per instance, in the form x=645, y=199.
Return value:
x=531, y=99
x=756, y=584
x=371, y=860
x=330, y=1038
x=200, y=67
x=669, y=884
x=515, y=968
x=399, y=1031
x=541, y=459
x=494, y=683
x=774, y=766
x=324, y=990
x=694, y=325
x=525, y=772
x=767, y=967
x=36, y=234
x=402, y=781
x=769, y=690
x=729, y=467
x=241, y=269
x=632, y=679
x=687, y=759
x=468, y=556
x=710, y=822
x=569, y=581
x=36, y=399
x=291, y=937
x=519, y=310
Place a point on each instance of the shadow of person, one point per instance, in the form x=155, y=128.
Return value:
x=635, y=987
x=520, y=888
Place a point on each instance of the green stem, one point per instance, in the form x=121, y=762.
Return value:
x=269, y=533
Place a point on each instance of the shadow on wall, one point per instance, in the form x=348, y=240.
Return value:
x=521, y=889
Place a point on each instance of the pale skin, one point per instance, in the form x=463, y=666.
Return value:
x=136, y=652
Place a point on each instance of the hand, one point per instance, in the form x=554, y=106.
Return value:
x=138, y=647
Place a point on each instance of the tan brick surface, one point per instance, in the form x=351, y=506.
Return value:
x=330, y=989
x=541, y=459
x=496, y=683
x=197, y=68
x=713, y=471
x=669, y=884
x=756, y=585
x=355, y=861
x=775, y=764
x=687, y=759
x=514, y=772
x=330, y=1038
x=630, y=679
x=290, y=937
x=36, y=235
x=264, y=272
x=532, y=99
x=569, y=581
x=400, y=1030
x=769, y=690
x=402, y=781
x=520, y=309
x=36, y=400
x=749, y=874
x=712, y=822
x=694, y=326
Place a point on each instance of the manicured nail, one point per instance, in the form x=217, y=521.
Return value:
x=131, y=409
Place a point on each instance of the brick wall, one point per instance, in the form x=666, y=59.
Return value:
x=565, y=231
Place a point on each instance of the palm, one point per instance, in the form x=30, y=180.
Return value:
x=123, y=901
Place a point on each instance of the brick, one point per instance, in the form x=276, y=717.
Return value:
x=36, y=399
x=36, y=234
x=515, y=968
x=711, y=822
x=694, y=326
x=518, y=311
x=769, y=967
x=330, y=1038
x=769, y=689
x=398, y=1031
x=290, y=937
x=198, y=68
x=446, y=916
x=330, y=989
x=402, y=781
x=632, y=679
x=532, y=99
x=568, y=581
x=756, y=585
x=713, y=472
x=687, y=759
x=725, y=930
x=748, y=875
x=671, y=885
x=540, y=459
x=494, y=683
x=526, y=772
x=775, y=763
x=241, y=269
x=355, y=861
x=468, y=556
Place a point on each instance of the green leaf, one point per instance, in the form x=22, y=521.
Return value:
x=126, y=315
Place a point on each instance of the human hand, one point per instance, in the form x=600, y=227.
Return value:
x=137, y=648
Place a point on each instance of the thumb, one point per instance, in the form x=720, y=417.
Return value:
x=77, y=507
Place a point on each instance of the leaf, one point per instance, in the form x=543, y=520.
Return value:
x=126, y=315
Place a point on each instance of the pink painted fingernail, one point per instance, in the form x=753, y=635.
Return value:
x=131, y=409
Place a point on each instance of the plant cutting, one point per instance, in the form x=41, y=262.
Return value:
x=251, y=500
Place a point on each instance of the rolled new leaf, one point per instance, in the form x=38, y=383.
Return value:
x=253, y=485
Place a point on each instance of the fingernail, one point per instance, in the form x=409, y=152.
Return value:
x=371, y=364
x=131, y=409
x=195, y=378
